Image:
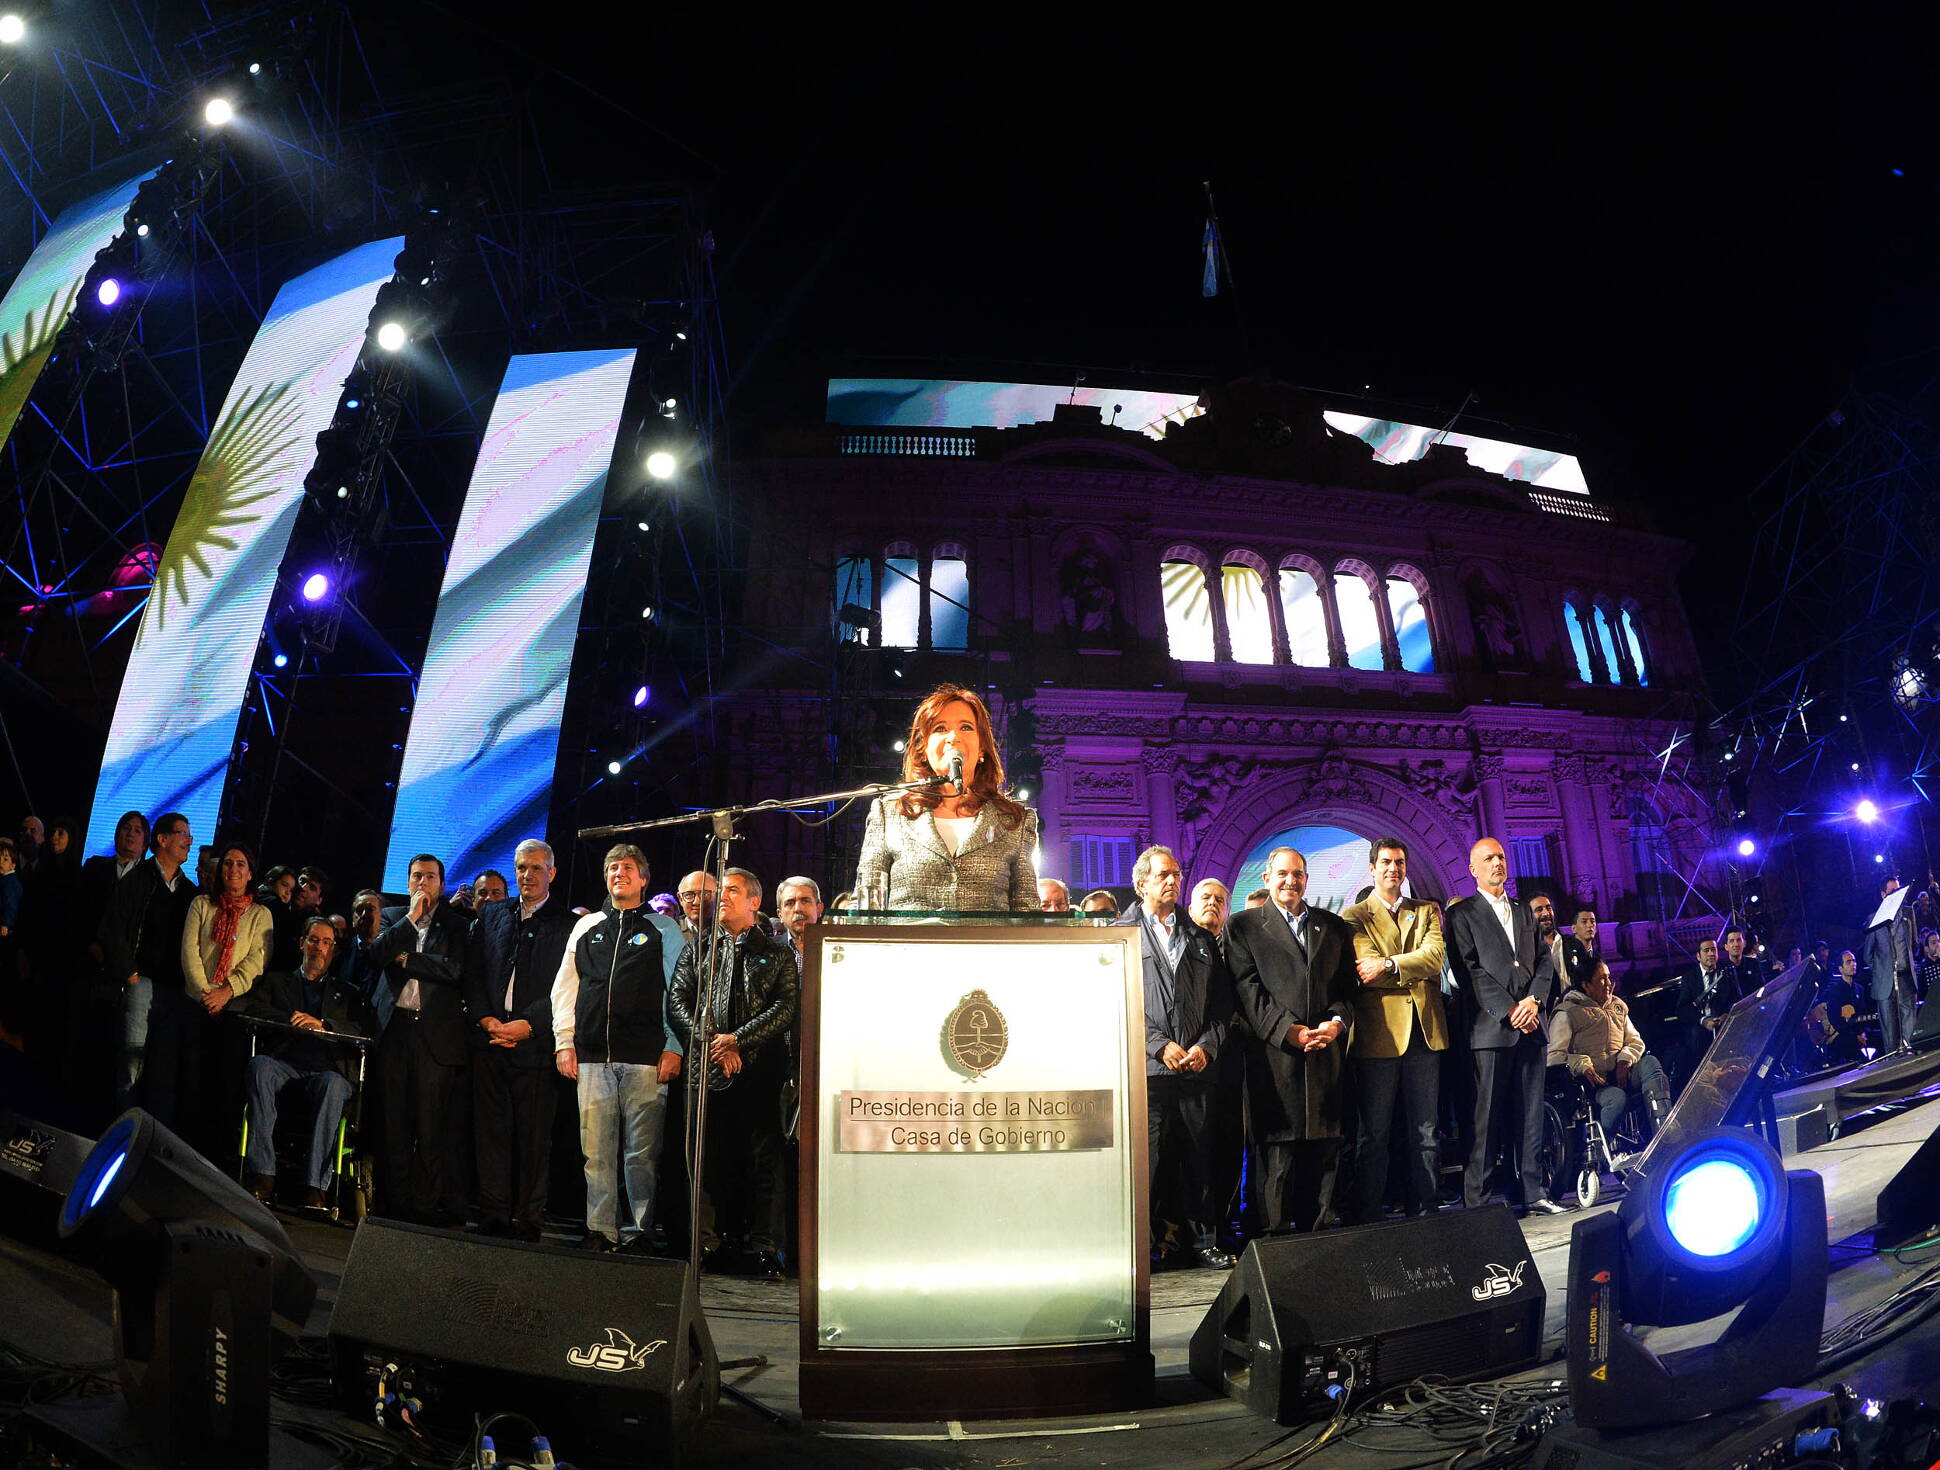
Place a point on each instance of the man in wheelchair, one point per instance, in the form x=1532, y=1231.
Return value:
x=311, y=1001
x=1592, y=1035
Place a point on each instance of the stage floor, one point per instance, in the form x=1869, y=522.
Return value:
x=62, y=1312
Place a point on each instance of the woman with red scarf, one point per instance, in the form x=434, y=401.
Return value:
x=225, y=945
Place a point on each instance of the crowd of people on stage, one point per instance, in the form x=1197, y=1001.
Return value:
x=505, y=1050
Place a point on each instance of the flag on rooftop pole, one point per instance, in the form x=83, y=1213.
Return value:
x=1209, y=278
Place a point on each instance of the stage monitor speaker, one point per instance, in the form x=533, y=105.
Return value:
x=1909, y=1205
x=1456, y=1294
x=608, y=1353
x=38, y=1163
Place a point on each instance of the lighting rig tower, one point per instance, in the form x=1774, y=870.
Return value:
x=1832, y=744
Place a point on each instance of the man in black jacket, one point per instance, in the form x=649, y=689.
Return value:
x=422, y=1054
x=754, y=990
x=141, y=941
x=516, y=948
x=610, y=1037
x=314, y=1001
x=1293, y=974
x=1188, y=1001
x=1706, y=990
x=1510, y=988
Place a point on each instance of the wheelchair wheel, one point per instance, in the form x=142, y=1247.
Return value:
x=1589, y=1184
x=1554, y=1158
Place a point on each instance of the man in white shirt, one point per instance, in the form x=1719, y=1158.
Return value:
x=1510, y=986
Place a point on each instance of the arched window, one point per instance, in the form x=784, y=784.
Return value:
x=949, y=597
x=1579, y=646
x=1607, y=636
x=1635, y=638
x=1305, y=617
x=1360, y=626
x=1410, y=620
x=1249, y=622
x=1188, y=608
x=902, y=597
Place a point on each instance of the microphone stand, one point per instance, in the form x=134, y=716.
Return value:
x=724, y=820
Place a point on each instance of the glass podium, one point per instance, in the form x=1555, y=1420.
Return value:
x=973, y=1167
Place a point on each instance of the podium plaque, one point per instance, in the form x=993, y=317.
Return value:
x=973, y=1166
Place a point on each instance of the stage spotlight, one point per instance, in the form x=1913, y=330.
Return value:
x=13, y=30
x=282, y=660
x=108, y=292
x=643, y=525
x=1717, y=1223
x=391, y=336
x=640, y=696
x=1866, y=811
x=647, y=613
x=1879, y=857
x=343, y=492
x=255, y=68
x=353, y=403
x=199, y=1271
x=669, y=407
x=141, y=231
x=219, y=112
x=1746, y=847
x=316, y=587
x=613, y=768
x=1727, y=755
x=1855, y=765
x=661, y=465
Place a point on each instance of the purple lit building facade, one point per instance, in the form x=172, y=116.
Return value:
x=1251, y=630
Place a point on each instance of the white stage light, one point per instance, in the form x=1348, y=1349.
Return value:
x=391, y=336
x=612, y=768
x=219, y=112
x=1866, y=811
x=12, y=30
x=661, y=465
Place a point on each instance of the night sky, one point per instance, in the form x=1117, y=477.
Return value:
x=1676, y=242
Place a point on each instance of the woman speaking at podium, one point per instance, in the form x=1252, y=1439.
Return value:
x=961, y=844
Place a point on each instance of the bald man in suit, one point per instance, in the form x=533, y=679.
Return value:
x=1400, y=1033
x=1509, y=989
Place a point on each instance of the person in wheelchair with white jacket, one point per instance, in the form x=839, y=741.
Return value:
x=1591, y=1033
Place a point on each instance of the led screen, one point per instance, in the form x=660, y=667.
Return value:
x=38, y=303
x=939, y=403
x=1336, y=865
x=477, y=775
x=1395, y=443
x=168, y=748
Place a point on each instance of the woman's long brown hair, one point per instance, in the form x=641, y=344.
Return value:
x=985, y=784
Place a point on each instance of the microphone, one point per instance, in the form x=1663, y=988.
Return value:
x=956, y=768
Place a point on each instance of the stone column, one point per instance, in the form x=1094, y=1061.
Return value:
x=1222, y=640
x=1161, y=801
x=1384, y=620
x=1491, y=807
x=1050, y=805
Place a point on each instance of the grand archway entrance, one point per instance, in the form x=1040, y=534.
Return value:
x=1336, y=857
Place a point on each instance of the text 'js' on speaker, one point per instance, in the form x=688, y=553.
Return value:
x=1456, y=1294
x=608, y=1353
x=1909, y=1205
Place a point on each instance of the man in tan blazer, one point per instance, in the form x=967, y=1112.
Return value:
x=1400, y=1032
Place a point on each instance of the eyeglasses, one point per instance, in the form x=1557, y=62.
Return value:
x=697, y=893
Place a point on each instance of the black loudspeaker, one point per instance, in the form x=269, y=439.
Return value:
x=38, y=1163
x=1456, y=1294
x=608, y=1353
x=1909, y=1205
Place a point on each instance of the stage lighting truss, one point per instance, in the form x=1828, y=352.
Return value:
x=1715, y=1225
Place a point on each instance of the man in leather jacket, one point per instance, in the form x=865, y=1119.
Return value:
x=754, y=990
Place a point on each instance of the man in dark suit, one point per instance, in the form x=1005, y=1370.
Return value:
x=1745, y=974
x=510, y=964
x=422, y=1054
x=1188, y=999
x=1706, y=990
x=1293, y=974
x=1509, y=988
x=1581, y=953
x=1891, y=950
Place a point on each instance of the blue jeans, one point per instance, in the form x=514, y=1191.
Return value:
x=326, y=1093
x=621, y=1108
x=136, y=1002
